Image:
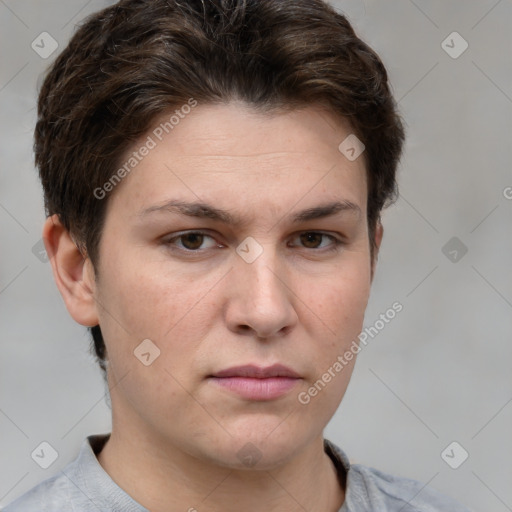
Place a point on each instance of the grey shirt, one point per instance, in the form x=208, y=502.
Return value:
x=83, y=486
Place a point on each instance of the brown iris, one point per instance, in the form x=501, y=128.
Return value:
x=308, y=238
x=195, y=239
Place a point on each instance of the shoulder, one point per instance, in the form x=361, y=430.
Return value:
x=369, y=489
x=51, y=494
x=82, y=485
x=398, y=493
x=74, y=488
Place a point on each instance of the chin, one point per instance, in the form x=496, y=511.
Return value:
x=260, y=448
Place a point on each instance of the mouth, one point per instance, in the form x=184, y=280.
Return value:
x=257, y=383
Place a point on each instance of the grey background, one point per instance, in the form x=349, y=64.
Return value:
x=439, y=372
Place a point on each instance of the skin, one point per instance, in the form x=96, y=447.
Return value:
x=175, y=434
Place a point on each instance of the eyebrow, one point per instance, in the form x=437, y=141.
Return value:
x=206, y=211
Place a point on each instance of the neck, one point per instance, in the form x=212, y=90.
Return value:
x=164, y=478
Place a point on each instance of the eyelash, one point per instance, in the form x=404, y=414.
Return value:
x=333, y=247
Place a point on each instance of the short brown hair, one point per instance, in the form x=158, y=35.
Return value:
x=131, y=62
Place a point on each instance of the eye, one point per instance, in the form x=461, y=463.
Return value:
x=314, y=239
x=194, y=241
x=191, y=241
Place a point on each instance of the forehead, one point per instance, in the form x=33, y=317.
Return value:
x=238, y=129
x=232, y=154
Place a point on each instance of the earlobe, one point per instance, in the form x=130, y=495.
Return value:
x=72, y=272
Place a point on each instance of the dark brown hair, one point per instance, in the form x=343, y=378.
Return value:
x=138, y=59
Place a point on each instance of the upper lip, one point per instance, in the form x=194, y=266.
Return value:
x=257, y=372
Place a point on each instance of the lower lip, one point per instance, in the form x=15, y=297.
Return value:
x=257, y=389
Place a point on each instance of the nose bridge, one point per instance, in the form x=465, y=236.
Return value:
x=261, y=300
x=262, y=274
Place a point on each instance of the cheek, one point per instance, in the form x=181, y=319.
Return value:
x=147, y=302
x=339, y=301
x=147, y=305
x=337, y=307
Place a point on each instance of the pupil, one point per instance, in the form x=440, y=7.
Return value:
x=310, y=237
x=192, y=236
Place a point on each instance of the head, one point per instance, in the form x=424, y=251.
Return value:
x=231, y=112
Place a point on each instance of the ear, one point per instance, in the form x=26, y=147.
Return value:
x=73, y=274
x=379, y=233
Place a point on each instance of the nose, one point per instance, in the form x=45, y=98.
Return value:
x=261, y=299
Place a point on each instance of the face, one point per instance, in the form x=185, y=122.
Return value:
x=273, y=268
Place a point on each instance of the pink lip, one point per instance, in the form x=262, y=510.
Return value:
x=257, y=383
